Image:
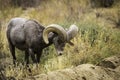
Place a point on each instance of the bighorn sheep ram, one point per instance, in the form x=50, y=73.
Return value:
x=31, y=37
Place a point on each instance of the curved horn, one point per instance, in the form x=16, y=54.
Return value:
x=54, y=28
x=72, y=32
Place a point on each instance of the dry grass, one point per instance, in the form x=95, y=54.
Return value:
x=96, y=39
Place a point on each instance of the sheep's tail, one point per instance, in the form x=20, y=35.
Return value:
x=8, y=30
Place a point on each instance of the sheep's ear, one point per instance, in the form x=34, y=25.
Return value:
x=72, y=44
x=72, y=32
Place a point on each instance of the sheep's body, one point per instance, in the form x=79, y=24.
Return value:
x=27, y=35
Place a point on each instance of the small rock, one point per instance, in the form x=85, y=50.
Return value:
x=110, y=62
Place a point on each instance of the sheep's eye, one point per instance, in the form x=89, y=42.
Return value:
x=60, y=41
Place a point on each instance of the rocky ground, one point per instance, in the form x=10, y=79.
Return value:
x=107, y=69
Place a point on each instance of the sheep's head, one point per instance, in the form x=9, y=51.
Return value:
x=63, y=36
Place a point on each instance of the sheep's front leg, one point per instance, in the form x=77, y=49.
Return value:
x=38, y=56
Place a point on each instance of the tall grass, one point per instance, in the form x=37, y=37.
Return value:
x=96, y=39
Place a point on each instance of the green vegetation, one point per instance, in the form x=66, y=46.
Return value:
x=99, y=35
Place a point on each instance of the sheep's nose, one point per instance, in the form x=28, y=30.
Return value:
x=60, y=53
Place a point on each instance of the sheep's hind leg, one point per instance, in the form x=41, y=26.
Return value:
x=12, y=50
x=32, y=56
x=27, y=57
